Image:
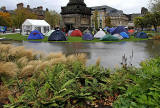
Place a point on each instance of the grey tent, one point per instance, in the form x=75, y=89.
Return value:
x=57, y=35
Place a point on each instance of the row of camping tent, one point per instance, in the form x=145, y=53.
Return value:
x=57, y=35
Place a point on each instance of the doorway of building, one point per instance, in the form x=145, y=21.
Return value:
x=69, y=27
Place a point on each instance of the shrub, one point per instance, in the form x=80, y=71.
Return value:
x=156, y=37
x=149, y=35
x=144, y=92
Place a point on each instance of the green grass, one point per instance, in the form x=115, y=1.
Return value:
x=19, y=37
x=153, y=33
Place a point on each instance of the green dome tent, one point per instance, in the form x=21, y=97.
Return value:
x=109, y=37
x=49, y=33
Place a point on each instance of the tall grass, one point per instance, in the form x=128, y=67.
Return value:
x=8, y=69
x=26, y=61
x=23, y=66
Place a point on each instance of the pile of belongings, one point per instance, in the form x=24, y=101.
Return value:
x=57, y=35
x=69, y=32
x=76, y=33
x=34, y=35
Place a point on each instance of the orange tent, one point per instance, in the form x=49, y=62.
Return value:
x=131, y=31
x=76, y=33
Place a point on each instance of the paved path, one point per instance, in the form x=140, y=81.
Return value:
x=7, y=33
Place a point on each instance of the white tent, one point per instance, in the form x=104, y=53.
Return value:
x=100, y=34
x=49, y=33
x=32, y=24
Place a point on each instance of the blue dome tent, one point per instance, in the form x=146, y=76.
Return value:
x=119, y=30
x=106, y=28
x=57, y=35
x=110, y=30
x=142, y=35
x=124, y=35
x=87, y=36
x=35, y=35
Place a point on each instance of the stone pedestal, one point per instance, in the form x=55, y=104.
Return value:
x=76, y=15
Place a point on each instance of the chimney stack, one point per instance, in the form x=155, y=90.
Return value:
x=20, y=6
x=47, y=10
x=28, y=6
x=3, y=8
x=40, y=8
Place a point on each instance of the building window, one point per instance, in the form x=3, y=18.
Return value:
x=27, y=28
x=38, y=28
x=100, y=23
x=46, y=29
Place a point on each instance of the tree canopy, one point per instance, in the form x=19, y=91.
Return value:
x=140, y=22
x=95, y=19
x=155, y=5
x=108, y=21
x=53, y=18
x=5, y=19
x=150, y=19
x=20, y=16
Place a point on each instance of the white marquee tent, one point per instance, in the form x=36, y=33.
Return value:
x=32, y=24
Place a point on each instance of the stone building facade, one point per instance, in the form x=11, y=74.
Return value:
x=76, y=15
x=118, y=18
x=38, y=11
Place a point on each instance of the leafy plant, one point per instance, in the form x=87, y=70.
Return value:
x=145, y=91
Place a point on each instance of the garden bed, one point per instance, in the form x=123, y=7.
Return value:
x=29, y=79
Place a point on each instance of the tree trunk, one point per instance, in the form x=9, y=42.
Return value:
x=155, y=27
x=142, y=28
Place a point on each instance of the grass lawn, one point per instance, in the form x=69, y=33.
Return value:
x=19, y=37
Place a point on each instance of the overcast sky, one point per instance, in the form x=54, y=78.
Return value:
x=128, y=6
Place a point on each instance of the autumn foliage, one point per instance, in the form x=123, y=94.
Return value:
x=21, y=15
x=5, y=19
